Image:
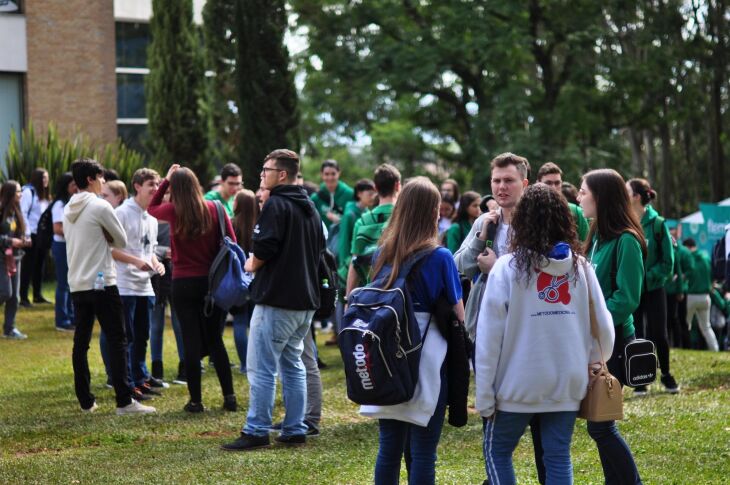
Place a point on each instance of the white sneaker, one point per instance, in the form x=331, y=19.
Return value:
x=93, y=408
x=135, y=408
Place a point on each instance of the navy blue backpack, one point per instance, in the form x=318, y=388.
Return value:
x=380, y=341
x=227, y=282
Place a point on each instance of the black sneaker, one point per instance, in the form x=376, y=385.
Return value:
x=247, y=442
x=641, y=391
x=312, y=430
x=320, y=364
x=230, y=403
x=194, y=407
x=40, y=300
x=138, y=396
x=146, y=389
x=276, y=426
x=181, y=376
x=26, y=304
x=292, y=439
x=157, y=383
x=66, y=328
x=670, y=385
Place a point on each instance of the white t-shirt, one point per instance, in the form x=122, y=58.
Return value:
x=32, y=208
x=57, y=216
x=502, y=238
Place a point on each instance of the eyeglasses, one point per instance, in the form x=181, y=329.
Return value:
x=265, y=169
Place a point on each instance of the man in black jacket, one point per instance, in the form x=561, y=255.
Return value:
x=288, y=241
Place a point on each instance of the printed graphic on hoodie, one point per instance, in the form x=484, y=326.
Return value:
x=553, y=289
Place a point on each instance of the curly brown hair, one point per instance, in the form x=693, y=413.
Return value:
x=541, y=219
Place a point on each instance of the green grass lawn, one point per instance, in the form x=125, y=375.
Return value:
x=45, y=438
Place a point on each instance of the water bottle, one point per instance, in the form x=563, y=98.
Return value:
x=325, y=283
x=99, y=282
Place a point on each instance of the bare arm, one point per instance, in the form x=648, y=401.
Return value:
x=58, y=228
x=253, y=264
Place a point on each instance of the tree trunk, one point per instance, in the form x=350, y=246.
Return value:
x=637, y=156
x=650, y=172
x=667, y=169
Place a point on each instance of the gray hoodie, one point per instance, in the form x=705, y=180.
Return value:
x=85, y=218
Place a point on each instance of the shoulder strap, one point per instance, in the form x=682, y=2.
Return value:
x=408, y=265
x=593, y=318
x=491, y=234
x=221, y=219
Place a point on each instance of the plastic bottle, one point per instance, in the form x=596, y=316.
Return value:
x=99, y=282
x=325, y=283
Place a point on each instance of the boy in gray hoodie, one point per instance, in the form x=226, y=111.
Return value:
x=91, y=229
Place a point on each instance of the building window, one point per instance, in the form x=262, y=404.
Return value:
x=132, y=40
x=11, y=110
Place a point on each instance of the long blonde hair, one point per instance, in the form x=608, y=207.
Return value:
x=412, y=227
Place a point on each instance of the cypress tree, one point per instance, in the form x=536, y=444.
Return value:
x=267, y=108
x=174, y=87
x=221, y=95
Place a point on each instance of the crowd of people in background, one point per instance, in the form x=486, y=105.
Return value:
x=129, y=261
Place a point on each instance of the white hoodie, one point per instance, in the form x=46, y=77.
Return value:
x=533, y=341
x=87, y=249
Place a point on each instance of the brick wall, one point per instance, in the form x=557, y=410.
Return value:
x=71, y=59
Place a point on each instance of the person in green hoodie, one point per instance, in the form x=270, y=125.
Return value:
x=465, y=216
x=699, y=285
x=659, y=269
x=333, y=195
x=616, y=248
x=676, y=290
x=552, y=176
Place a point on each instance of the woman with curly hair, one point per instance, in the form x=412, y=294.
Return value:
x=534, y=343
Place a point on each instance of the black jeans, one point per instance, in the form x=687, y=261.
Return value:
x=34, y=263
x=654, y=306
x=619, y=467
x=201, y=335
x=106, y=306
x=677, y=321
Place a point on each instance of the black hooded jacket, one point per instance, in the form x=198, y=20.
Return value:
x=289, y=237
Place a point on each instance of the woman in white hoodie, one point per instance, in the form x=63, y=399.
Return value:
x=533, y=342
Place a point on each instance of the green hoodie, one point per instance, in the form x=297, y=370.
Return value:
x=683, y=265
x=622, y=298
x=347, y=225
x=323, y=200
x=456, y=234
x=699, y=281
x=581, y=222
x=660, y=257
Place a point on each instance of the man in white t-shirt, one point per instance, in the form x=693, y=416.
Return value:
x=135, y=266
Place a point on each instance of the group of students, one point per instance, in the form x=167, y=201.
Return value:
x=531, y=259
x=527, y=310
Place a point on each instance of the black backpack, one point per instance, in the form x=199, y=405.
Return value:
x=44, y=232
x=328, y=285
x=380, y=341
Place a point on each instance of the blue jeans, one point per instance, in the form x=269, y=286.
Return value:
x=64, y=305
x=276, y=337
x=157, y=329
x=138, y=313
x=503, y=431
x=418, y=443
x=241, y=322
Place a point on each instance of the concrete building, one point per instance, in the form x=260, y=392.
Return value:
x=78, y=63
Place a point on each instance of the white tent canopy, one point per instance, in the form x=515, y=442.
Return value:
x=696, y=217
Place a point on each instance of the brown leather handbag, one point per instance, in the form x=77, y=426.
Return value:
x=604, y=400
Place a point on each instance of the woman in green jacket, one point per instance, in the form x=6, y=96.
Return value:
x=659, y=270
x=465, y=216
x=616, y=249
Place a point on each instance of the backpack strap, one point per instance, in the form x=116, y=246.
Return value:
x=32, y=199
x=221, y=219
